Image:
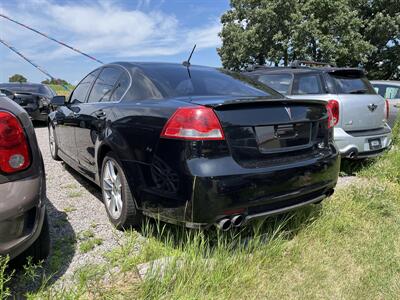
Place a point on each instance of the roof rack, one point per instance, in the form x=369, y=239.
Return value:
x=309, y=63
x=251, y=68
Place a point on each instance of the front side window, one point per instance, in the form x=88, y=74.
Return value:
x=103, y=87
x=81, y=90
x=279, y=82
x=307, y=84
x=387, y=91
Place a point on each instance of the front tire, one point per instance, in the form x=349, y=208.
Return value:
x=53, y=143
x=117, y=196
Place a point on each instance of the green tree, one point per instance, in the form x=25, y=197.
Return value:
x=381, y=28
x=344, y=32
x=17, y=78
x=57, y=81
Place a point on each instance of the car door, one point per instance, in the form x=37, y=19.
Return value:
x=93, y=115
x=66, y=116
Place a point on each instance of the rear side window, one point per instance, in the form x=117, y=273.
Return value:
x=352, y=84
x=388, y=92
x=279, y=82
x=305, y=84
x=121, y=87
x=103, y=87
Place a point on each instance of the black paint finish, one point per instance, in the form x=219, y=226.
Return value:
x=198, y=182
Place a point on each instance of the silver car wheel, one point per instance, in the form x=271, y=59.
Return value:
x=52, y=140
x=112, y=189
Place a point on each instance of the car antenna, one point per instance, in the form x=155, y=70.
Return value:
x=186, y=63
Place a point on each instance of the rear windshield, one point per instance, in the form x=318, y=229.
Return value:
x=352, y=84
x=175, y=81
x=279, y=82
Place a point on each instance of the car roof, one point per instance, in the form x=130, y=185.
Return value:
x=277, y=70
x=393, y=82
x=14, y=84
x=155, y=65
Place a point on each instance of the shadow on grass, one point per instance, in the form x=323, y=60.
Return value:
x=30, y=277
x=350, y=167
x=285, y=226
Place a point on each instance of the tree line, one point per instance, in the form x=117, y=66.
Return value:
x=356, y=33
x=20, y=78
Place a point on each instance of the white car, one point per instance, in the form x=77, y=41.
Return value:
x=389, y=90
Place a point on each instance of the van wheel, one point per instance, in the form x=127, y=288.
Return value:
x=40, y=248
x=53, y=143
x=117, y=196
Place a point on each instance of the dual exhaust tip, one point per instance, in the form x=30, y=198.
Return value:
x=227, y=223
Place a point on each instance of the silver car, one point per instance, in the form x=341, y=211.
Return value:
x=389, y=90
x=359, y=113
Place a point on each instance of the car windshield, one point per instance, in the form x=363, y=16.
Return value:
x=176, y=81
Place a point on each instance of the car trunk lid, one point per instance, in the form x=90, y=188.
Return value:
x=361, y=108
x=262, y=132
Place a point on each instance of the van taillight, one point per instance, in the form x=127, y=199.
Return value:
x=387, y=110
x=332, y=108
x=193, y=123
x=14, y=149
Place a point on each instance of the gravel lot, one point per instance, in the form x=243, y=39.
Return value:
x=76, y=216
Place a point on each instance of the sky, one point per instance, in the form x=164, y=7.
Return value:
x=110, y=30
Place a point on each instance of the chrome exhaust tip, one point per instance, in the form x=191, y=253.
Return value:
x=237, y=221
x=224, y=224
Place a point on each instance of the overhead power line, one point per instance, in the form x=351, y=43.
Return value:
x=50, y=38
x=25, y=58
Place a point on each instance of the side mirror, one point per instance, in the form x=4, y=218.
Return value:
x=58, y=101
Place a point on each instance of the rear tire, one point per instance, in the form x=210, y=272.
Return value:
x=117, y=196
x=40, y=248
x=53, y=143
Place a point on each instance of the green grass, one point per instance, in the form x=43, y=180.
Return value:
x=346, y=248
x=74, y=194
x=88, y=241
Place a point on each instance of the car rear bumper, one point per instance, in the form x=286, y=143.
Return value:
x=22, y=212
x=222, y=188
x=357, y=144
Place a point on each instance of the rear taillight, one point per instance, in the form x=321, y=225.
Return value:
x=332, y=108
x=14, y=149
x=193, y=123
x=387, y=110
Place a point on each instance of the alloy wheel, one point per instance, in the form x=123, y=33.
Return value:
x=112, y=189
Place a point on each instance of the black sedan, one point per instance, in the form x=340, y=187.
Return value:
x=33, y=97
x=193, y=145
